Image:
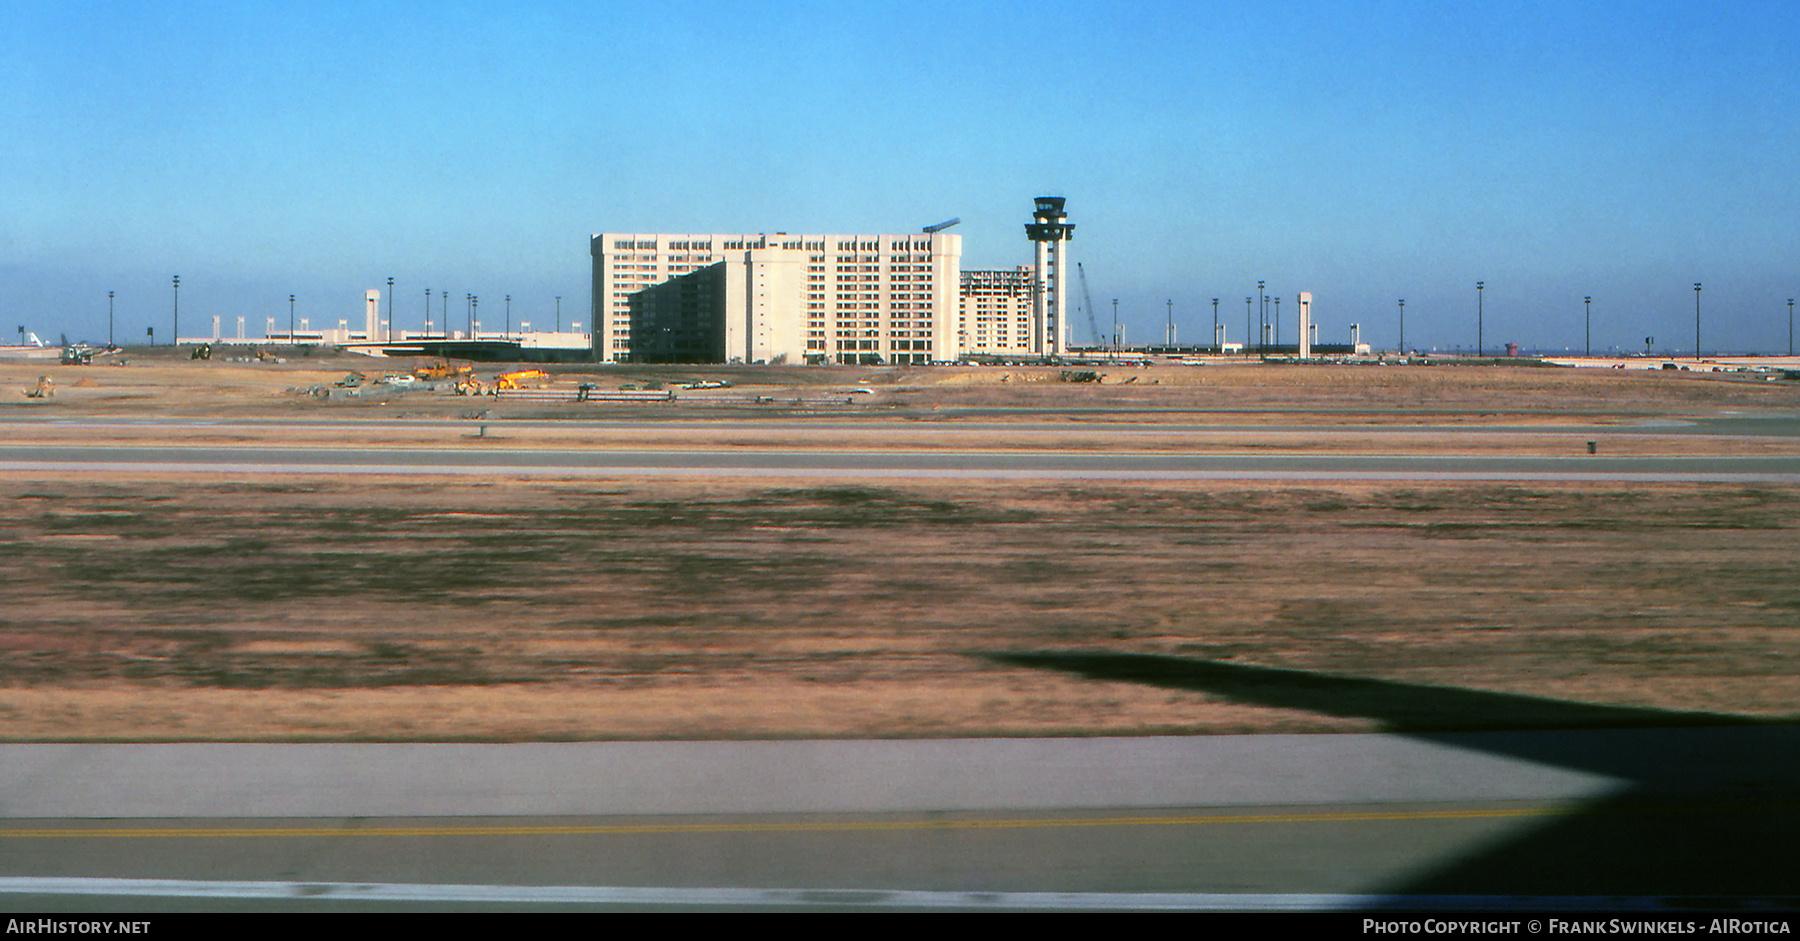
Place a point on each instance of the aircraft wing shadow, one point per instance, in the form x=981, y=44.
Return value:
x=1710, y=815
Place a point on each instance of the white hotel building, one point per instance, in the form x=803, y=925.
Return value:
x=788, y=298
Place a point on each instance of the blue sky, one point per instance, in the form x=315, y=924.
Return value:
x=1363, y=151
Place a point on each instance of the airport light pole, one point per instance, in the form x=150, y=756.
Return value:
x=1588, y=323
x=1221, y=346
x=290, y=320
x=559, y=313
x=509, y=315
x=176, y=336
x=1249, y=323
x=109, y=319
x=1262, y=315
x=1480, y=348
x=1171, y=339
x=390, y=310
x=427, y=323
x=1790, y=326
x=1115, y=343
x=1277, y=322
x=1696, y=320
x=1402, y=350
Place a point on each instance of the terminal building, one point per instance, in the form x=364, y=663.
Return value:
x=853, y=299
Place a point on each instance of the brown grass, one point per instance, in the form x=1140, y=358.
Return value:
x=326, y=608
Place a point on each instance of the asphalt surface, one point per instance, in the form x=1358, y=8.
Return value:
x=1641, y=819
x=962, y=421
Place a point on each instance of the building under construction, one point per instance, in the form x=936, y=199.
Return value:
x=853, y=299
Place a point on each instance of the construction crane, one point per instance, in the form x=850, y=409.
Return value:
x=1087, y=301
x=934, y=229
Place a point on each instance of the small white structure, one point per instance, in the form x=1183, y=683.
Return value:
x=1306, y=334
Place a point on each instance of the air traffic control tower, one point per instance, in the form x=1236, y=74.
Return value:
x=1049, y=329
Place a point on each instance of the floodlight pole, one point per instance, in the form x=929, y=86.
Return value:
x=1249, y=324
x=1696, y=321
x=1262, y=315
x=1480, y=347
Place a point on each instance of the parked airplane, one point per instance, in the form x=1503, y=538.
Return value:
x=69, y=354
x=32, y=348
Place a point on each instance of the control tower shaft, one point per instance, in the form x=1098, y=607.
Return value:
x=1049, y=326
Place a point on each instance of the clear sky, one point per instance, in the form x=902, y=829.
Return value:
x=1363, y=151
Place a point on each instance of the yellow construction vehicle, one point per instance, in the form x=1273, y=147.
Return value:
x=444, y=369
x=523, y=379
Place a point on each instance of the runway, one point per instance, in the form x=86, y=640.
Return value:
x=1620, y=819
x=815, y=462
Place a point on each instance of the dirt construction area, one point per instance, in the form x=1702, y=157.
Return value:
x=142, y=605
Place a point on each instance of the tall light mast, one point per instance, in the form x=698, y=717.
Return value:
x=1049, y=328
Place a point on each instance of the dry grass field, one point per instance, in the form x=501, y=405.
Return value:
x=338, y=608
x=160, y=383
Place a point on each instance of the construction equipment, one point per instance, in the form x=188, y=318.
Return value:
x=203, y=351
x=1087, y=303
x=934, y=229
x=523, y=379
x=443, y=369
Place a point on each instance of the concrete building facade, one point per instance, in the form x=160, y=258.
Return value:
x=995, y=313
x=735, y=311
x=778, y=297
